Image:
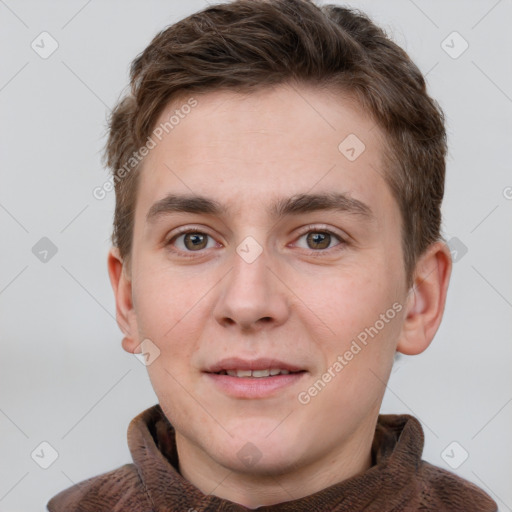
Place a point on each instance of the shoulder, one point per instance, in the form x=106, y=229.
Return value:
x=117, y=490
x=445, y=491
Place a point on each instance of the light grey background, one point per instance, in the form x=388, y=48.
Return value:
x=64, y=377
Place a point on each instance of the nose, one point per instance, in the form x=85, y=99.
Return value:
x=251, y=297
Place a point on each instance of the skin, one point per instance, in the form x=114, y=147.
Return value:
x=296, y=302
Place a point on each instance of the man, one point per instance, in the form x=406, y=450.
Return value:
x=279, y=171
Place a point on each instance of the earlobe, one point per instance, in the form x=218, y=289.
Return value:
x=426, y=300
x=122, y=287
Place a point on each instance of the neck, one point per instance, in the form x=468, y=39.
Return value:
x=299, y=481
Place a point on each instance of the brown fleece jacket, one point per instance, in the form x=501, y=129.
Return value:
x=397, y=481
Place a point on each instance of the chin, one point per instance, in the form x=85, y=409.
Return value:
x=250, y=460
x=258, y=450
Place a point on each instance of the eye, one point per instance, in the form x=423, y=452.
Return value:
x=192, y=241
x=318, y=240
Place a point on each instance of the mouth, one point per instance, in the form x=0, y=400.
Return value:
x=261, y=378
x=256, y=374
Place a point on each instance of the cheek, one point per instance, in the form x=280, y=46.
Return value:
x=365, y=320
x=364, y=315
x=352, y=300
x=167, y=307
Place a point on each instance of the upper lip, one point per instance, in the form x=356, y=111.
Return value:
x=235, y=363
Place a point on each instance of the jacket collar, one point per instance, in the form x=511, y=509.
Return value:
x=396, y=456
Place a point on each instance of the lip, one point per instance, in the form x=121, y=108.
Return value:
x=251, y=387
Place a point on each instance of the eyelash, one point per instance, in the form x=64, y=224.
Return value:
x=342, y=242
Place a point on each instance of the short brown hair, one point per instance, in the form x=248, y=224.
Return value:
x=250, y=44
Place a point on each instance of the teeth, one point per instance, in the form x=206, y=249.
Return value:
x=260, y=373
x=255, y=373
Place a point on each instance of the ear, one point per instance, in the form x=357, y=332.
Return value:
x=426, y=299
x=122, y=287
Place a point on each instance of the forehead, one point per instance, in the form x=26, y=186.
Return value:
x=246, y=149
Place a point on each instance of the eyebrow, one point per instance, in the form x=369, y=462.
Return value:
x=294, y=205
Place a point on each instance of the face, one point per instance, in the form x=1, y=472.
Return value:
x=267, y=269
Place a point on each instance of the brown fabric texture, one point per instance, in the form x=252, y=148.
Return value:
x=398, y=480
